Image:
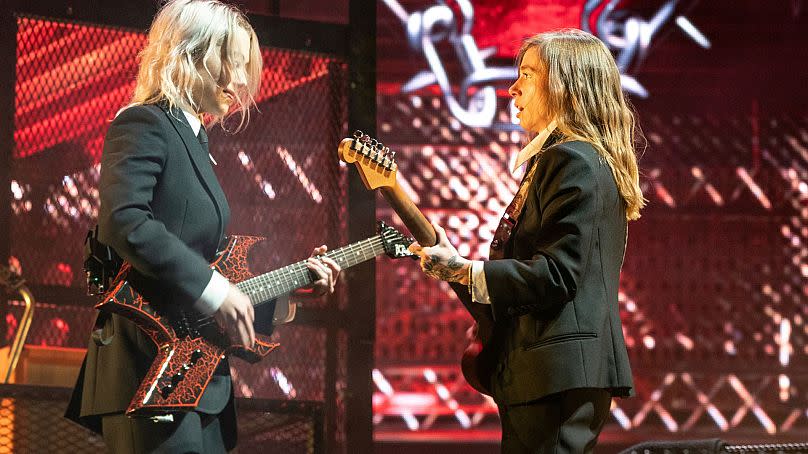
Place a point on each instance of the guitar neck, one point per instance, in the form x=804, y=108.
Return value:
x=269, y=286
x=378, y=170
x=410, y=215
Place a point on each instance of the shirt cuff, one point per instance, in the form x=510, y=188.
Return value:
x=479, y=288
x=214, y=294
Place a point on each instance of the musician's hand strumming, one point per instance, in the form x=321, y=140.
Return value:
x=236, y=316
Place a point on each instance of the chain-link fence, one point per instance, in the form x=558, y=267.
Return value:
x=281, y=176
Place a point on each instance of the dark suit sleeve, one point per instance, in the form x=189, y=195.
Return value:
x=567, y=196
x=135, y=152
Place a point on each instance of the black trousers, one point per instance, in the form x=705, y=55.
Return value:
x=211, y=429
x=566, y=422
x=190, y=432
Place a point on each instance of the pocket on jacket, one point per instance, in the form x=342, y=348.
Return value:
x=560, y=339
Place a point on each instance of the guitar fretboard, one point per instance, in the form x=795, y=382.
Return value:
x=269, y=286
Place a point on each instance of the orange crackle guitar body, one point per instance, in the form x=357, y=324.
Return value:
x=190, y=346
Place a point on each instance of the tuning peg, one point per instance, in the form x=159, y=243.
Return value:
x=373, y=149
x=356, y=144
x=364, y=140
x=390, y=160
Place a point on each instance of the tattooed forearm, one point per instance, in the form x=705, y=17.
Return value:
x=454, y=262
x=455, y=269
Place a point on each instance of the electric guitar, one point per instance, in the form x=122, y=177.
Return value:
x=378, y=170
x=190, y=346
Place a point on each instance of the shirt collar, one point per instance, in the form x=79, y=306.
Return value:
x=535, y=146
x=193, y=121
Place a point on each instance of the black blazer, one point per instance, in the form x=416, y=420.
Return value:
x=162, y=210
x=554, y=295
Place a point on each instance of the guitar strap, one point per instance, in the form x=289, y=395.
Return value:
x=512, y=213
x=514, y=210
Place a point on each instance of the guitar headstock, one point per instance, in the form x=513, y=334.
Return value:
x=395, y=244
x=375, y=162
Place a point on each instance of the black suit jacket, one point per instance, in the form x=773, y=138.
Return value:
x=162, y=210
x=554, y=296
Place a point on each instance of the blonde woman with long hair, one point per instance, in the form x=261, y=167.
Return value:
x=552, y=349
x=164, y=212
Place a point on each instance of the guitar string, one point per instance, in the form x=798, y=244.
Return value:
x=290, y=274
x=293, y=273
x=297, y=274
x=299, y=269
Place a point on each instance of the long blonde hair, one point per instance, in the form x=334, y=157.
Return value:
x=586, y=99
x=184, y=35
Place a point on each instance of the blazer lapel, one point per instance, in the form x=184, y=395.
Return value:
x=201, y=162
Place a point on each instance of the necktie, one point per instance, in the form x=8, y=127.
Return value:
x=203, y=140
